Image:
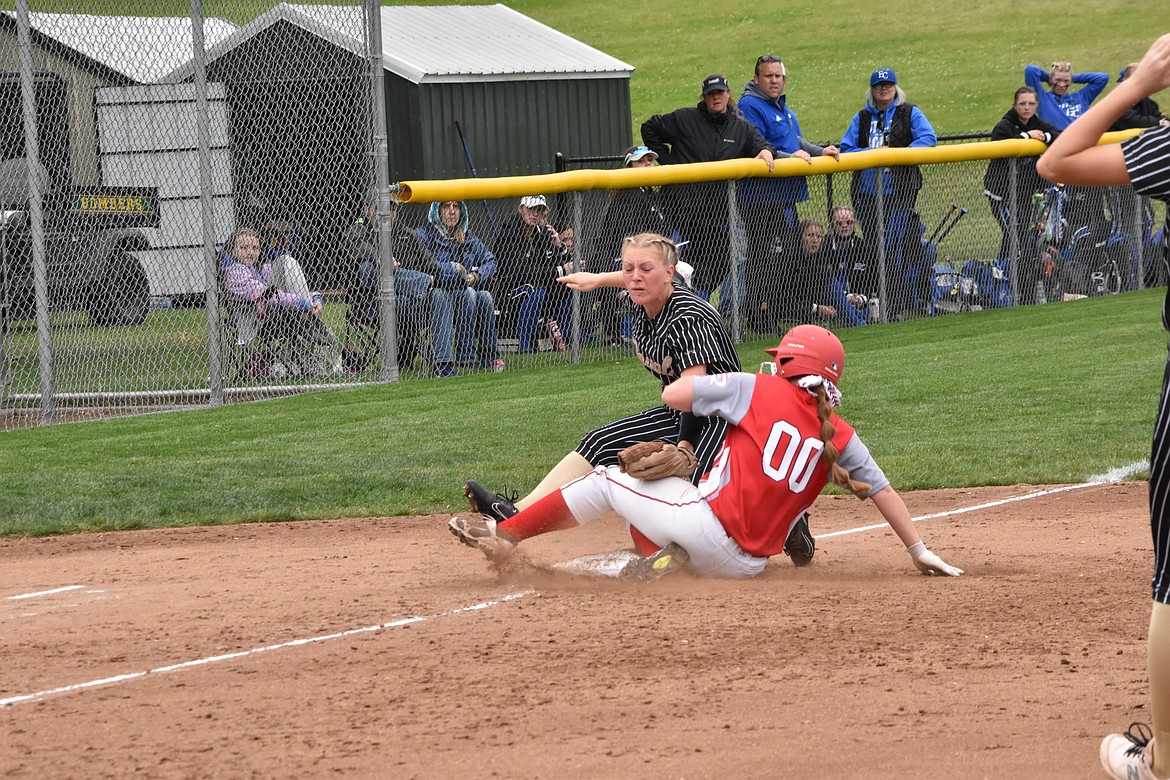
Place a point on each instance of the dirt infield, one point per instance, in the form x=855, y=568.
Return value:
x=425, y=664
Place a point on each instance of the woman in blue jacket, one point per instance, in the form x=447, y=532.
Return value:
x=465, y=266
x=887, y=120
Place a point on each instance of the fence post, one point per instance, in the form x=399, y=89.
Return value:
x=36, y=212
x=735, y=267
x=578, y=219
x=388, y=332
x=880, y=204
x=1139, y=219
x=207, y=208
x=1012, y=215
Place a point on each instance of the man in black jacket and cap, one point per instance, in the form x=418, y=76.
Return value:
x=709, y=132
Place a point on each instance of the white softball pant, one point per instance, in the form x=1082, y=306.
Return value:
x=665, y=510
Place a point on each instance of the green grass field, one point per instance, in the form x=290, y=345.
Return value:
x=961, y=64
x=1048, y=394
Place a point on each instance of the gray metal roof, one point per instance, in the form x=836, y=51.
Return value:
x=142, y=48
x=428, y=44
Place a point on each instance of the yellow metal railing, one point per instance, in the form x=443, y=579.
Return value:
x=626, y=178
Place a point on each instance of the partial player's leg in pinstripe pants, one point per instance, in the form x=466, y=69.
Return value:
x=1159, y=637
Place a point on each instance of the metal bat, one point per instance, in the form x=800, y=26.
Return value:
x=942, y=222
x=951, y=226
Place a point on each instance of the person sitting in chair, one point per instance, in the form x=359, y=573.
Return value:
x=530, y=257
x=271, y=309
x=417, y=301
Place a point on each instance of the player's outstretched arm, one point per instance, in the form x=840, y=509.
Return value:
x=680, y=393
x=894, y=510
x=585, y=281
x=1075, y=157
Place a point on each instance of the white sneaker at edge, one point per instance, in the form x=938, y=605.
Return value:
x=1126, y=756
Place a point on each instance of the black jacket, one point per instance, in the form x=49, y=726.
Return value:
x=997, y=180
x=629, y=213
x=805, y=286
x=1145, y=113
x=691, y=135
x=526, y=255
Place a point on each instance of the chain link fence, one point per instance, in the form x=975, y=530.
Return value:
x=171, y=175
x=190, y=214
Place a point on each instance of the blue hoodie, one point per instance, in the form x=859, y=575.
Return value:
x=921, y=132
x=449, y=250
x=779, y=127
x=1058, y=110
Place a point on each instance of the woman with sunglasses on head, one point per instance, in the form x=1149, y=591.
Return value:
x=1013, y=210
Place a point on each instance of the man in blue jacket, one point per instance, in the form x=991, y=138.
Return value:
x=887, y=120
x=768, y=206
x=1059, y=107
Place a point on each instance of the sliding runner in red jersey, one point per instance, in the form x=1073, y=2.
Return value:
x=784, y=444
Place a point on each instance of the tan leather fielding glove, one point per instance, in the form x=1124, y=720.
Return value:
x=657, y=460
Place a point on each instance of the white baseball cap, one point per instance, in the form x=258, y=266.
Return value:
x=638, y=152
x=534, y=202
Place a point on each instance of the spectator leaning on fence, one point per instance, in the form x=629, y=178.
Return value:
x=887, y=120
x=709, y=132
x=1145, y=113
x=768, y=206
x=771, y=203
x=1059, y=107
x=1013, y=210
x=465, y=265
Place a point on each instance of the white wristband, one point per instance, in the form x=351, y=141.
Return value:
x=916, y=549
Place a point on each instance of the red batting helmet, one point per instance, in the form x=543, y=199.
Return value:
x=809, y=349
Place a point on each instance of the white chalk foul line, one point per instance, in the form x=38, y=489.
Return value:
x=255, y=651
x=45, y=592
x=1115, y=475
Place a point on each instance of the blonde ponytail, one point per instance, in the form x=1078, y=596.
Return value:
x=839, y=475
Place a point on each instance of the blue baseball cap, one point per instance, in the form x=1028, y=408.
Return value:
x=883, y=76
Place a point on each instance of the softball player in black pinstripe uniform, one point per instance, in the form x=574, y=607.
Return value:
x=1076, y=158
x=676, y=333
x=688, y=332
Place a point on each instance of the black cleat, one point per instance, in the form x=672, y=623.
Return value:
x=800, y=545
x=495, y=505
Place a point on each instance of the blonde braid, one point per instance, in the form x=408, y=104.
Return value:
x=839, y=475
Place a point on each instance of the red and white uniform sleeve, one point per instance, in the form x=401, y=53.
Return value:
x=724, y=395
x=769, y=470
